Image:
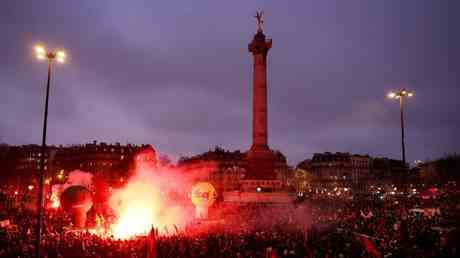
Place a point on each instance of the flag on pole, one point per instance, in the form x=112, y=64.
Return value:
x=152, y=244
x=177, y=230
x=368, y=245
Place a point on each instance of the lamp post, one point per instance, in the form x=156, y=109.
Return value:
x=401, y=94
x=41, y=53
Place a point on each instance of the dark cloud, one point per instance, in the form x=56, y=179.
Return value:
x=178, y=74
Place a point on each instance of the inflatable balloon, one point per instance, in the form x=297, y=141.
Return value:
x=77, y=201
x=203, y=196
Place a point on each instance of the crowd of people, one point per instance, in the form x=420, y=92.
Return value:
x=360, y=227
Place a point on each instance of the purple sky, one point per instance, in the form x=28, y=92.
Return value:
x=177, y=74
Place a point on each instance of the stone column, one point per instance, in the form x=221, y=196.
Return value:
x=259, y=48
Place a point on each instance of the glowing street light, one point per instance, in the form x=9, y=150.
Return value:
x=41, y=53
x=391, y=95
x=60, y=56
x=401, y=95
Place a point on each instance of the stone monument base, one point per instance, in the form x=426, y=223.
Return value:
x=261, y=164
x=237, y=197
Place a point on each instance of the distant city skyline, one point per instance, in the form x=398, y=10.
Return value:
x=178, y=75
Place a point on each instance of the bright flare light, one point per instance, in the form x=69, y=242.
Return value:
x=55, y=203
x=143, y=203
x=137, y=215
x=391, y=95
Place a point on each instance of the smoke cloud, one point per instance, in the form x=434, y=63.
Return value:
x=153, y=197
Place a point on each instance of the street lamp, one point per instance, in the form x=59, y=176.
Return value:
x=401, y=95
x=42, y=53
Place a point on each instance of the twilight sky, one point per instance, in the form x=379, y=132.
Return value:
x=177, y=74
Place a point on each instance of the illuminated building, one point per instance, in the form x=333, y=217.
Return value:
x=24, y=163
x=353, y=170
x=342, y=169
x=224, y=169
x=112, y=161
x=227, y=170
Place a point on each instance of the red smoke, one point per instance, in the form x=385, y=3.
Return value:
x=152, y=196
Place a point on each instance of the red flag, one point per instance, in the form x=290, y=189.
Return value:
x=369, y=246
x=177, y=230
x=152, y=244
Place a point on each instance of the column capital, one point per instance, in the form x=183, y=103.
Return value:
x=260, y=44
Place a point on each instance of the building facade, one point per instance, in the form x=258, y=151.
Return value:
x=112, y=161
x=227, y=171
x=352, y=170
x=388, y=171
x=338, y=169
x=23, y=163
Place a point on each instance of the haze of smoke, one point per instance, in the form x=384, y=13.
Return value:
x=79, y=177
x=153, y=197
